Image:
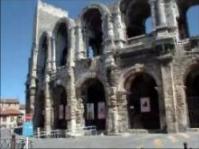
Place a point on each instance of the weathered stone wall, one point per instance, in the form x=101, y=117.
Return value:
x=161, y=54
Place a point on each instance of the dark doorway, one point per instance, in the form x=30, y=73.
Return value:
x=60, y=108
x=95, y=104
x=143, y=107
x=192, y=92
x=41, y=110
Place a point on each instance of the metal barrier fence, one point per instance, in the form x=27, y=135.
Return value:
x=60, y=133
x=15, y=143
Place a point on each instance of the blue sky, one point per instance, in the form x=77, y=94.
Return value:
x=16, y=39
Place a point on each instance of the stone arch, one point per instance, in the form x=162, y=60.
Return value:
x=101, y=7
x=94, y=101
x=142, y=102
x=134, y=17
x=131, y=80
x=132, y=71
x=191, y=81
x=62, y=42
x=93, y=20
x=83, y=78
x=182, y=18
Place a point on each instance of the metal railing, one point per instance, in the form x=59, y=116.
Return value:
x=62, y=133
x=15, y=143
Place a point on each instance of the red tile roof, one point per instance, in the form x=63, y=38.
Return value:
x=9, y=101
x=8, y=112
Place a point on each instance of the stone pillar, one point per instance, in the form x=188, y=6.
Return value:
x=80, y=49
x=33, y=85
x=169, y=96
x=109, y=68
x=112, y=115
x=53, y=44
x=119, y=29
x=182, y=107
x=71, y=80
x=162, y=111
x=161, y=19
x=48, y=105
x=161, y=13
x=108, y=36
x=152, y=4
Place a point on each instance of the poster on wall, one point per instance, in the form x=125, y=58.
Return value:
x=145, y=104
x=61, y=110
x=101, y=110
x=90, y=111
x=67, y=112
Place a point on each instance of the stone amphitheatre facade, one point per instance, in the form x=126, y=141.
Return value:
x=102, y=69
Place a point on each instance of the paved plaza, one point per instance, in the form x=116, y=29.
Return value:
x=142, y=140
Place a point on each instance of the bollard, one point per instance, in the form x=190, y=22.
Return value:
x=185, y=145
x=13, y=142
x=27, y=143
x=38, y=132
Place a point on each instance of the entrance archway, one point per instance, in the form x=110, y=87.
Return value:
x=192, y=94
x=94, y=104
x=142, y=99
x=60, y=108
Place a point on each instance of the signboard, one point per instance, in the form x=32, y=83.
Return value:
x=61, y=111
x=27, y=129
x=101, y=110
x=67, y=112
x=90, y=111
x=145, y=104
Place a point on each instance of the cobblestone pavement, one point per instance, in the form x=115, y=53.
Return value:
x=127, y=141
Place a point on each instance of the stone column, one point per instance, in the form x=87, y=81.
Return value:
x=109, y=71
x=182, y=107
x=112, y=115
x=80, y=49
x=108, y=36
x=33, y=86
x=53, y=44
x=161, y=19
x=152, y=4
x=161, y=13
x=48, y=104
x=169, y=96
x=119, y=29
x=71, y=79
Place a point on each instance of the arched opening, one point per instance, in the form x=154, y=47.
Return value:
x=148, y=25
x=188, y=12
x=61, y=109
x=143, y=105
x=61, y=42
x=193, y=23
x=93, y=95
x=92, y=25
x=192, y=94
x=135, y=15
x=42, y=56
x=40, y=112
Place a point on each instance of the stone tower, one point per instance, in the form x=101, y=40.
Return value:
x=103, y=69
